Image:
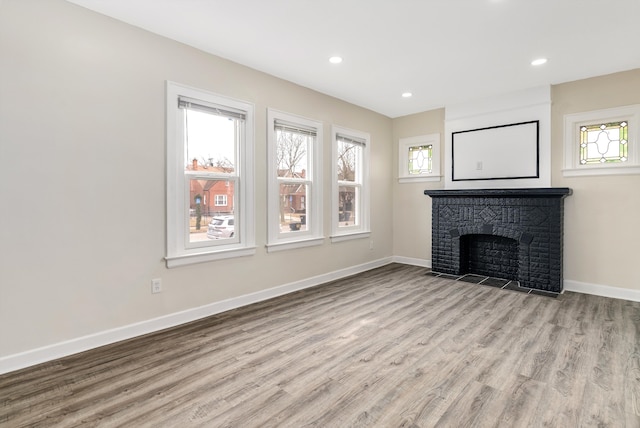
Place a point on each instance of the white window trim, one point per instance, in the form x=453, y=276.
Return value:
x=403, y=158
x=277, y=241
x=339, y=234
x=178, y=252
x=224, y=198
x=349, y=236
x=572, y=123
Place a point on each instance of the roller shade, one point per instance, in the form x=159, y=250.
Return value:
x=294, y=128
x=350, y=140
x=186, y=103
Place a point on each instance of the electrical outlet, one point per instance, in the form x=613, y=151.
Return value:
x=156, y=285
x=371, y=244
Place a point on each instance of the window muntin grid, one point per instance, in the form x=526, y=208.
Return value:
x=604, y=143
x=421, y=159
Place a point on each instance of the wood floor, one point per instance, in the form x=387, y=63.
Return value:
x=392, y=347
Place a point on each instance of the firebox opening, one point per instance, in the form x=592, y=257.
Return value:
x=489, y=255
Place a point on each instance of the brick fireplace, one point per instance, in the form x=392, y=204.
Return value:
x=512, y=234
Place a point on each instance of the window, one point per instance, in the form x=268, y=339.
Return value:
x=606, y=142
x=209, y=176
x=603, y=142
x=294, y=197
x=419, y=158
x=350, y=184
x=221, y=200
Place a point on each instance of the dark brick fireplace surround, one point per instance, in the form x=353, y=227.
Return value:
x=513, y=234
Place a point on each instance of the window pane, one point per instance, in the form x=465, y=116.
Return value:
x=292, y=150
x=420, y=159
x=211, y=200
x=603, y=143
x=210, y=142
x=349, y=156
x=348, y=206
x=221, y=200
x=293, y=207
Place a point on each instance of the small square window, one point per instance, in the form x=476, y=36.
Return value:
x=419, y=158
x=221, y=200
x=602, y=142
x=606, y=142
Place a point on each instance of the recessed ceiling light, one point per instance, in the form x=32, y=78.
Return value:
x=539, y=61
x=335, y=60
x=407, y=95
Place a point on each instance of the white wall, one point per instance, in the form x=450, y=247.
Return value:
x=82, y=177
x=504, y=109
x=412, y=208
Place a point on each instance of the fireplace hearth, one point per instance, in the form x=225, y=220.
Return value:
x=513, y=234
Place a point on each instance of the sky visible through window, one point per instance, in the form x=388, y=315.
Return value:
x=211, y=139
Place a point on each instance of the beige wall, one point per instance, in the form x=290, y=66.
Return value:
x=412, y=208
x=82, y=176
x=82, y=124
x=602, y=231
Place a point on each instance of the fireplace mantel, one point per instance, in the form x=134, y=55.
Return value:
x=502, y=193
x=529, y=219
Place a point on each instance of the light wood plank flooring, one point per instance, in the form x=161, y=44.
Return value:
x=392, y=347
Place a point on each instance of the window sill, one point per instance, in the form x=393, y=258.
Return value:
x=350, y=236
x=282, y=246
x=189, y=259
x=601, y=170
x=419, y=179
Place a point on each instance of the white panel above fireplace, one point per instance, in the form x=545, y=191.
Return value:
x=495, y=156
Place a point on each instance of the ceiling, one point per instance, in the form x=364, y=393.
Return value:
x=442, y=51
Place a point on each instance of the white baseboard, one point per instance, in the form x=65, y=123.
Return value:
x=412, y=261
x=602, y=290
x=569, y=285
x=58, y=350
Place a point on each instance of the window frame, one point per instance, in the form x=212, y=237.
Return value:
x=223, y=197
x=403, y=158
x=313, y=235
x=179, y=250
x=362, y=228
x=572, y=124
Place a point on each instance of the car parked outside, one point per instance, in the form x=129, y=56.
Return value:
x=221, y=227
